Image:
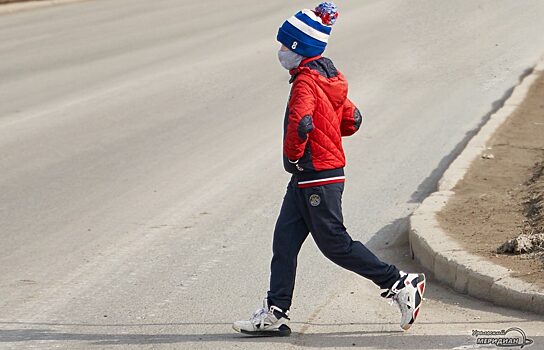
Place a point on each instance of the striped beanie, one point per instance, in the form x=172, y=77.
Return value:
x=307, y=32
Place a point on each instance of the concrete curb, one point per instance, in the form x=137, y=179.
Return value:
x=443, y=257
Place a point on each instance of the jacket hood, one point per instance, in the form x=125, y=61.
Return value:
x=326, y=76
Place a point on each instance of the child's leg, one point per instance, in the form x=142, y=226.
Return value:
x=289, y=234
x=326, y=223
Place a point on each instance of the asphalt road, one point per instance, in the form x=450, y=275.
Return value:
x=141, y=175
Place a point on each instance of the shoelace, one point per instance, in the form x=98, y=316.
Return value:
x=393, y=300
x=402, y=305
x=259, y=316
x=394, y=290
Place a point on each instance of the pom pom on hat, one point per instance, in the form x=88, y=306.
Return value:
x=307, y=32
x=328, y=12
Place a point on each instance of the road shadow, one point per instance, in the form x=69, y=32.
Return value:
x=361, y=339
x=387, y=339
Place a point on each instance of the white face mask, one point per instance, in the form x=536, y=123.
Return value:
x=289, y=59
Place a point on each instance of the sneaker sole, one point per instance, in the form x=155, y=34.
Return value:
x=420, y=290
x=283, y=331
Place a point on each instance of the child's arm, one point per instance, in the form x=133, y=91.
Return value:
x=351, y=119
x=300, y=123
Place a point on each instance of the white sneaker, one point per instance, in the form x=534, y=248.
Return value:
x=272, y=322
x=407, y=293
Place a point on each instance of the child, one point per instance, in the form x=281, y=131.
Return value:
x=318, y=115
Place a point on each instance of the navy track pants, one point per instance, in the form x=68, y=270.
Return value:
x=318, y=210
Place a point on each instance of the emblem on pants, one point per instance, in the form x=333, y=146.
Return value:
x=315, y=200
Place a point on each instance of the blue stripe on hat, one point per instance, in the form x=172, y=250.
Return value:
x=313, y=23
x=305, y=44
x=301, y=36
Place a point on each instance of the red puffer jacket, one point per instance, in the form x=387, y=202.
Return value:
x=318, y=115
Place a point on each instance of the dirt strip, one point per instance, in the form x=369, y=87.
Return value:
x=500, y=199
